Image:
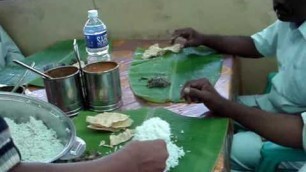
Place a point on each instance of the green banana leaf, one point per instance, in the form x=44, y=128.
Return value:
x=202, y=139
x=191, y=63
x=60, y=53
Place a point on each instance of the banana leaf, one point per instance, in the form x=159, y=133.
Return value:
x=60, y=53
x=191, y=63
x=201, y=139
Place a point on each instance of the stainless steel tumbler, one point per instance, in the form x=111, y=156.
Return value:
x=64, y=90
x=102, y=83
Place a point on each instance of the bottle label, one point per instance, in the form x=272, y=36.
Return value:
x=96, y=41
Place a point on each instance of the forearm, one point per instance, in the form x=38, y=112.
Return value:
x=117, y=162
x=237, y=45
x=54, y=167
x=279, y=128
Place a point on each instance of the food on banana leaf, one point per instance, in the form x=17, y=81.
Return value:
x=156, y=82
x=121, y=137
x=109, y=121
x=155, y=50
x=156, y=128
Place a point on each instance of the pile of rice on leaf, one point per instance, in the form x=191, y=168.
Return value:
x=156, y=128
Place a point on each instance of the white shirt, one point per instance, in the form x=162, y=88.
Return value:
x=288, y=43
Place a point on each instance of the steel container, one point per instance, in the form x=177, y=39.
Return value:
x=20, y=108
x=103, y=88
x=64, y=90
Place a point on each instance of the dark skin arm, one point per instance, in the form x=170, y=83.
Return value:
x=146, y=156
x=279, y=128
x=282, y=129
x=116, y=163
x=236, y=45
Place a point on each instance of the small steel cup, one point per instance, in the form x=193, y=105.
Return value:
x=102, y=83
x=64, y=90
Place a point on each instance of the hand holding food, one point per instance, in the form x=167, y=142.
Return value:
x=191, y=36
x=201, y=90
x=139, y=151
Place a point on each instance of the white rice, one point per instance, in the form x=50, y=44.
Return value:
x=156, y=128
x=34, y=140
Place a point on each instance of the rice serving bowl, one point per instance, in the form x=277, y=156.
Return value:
x=22, y=109
x=34, y=140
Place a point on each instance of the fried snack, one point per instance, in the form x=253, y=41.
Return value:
x=109, y=121
x=155, y=50
x=121, y=137
x=123, y=124
x=102, y=128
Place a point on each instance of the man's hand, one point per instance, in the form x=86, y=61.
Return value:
x=150, y=156
x=191, y=36
x=272, y=126
x=244, y=45
x=201, y=90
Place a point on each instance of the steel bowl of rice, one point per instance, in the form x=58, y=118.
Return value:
x=41, y=131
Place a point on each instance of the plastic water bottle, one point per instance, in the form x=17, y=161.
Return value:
x=95, y=34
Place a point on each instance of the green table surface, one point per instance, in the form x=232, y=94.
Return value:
x=178, y=68
x=202, y=139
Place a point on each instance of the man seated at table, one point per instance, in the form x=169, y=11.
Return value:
x=284, y=129
x=285, y=39
x=146, y=156
x=8, y=49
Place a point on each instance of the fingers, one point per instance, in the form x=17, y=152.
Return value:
x=161, y=146
x=193, y=95
x=173, y=39
x=193, y=91
x=185, y=33
x=164, y=145
x=196, y=95
x=197, y=84
x=199, y=94
x=184, y=91
x=160, y=141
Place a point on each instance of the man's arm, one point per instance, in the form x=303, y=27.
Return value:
x=117, y=162
x=283, y=129
x=149, y=156
x=243, y=46
x=236, y=45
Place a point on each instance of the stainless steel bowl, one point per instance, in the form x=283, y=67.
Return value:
x=20, y=107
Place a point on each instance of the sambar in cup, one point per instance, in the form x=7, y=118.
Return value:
x=103, y=88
